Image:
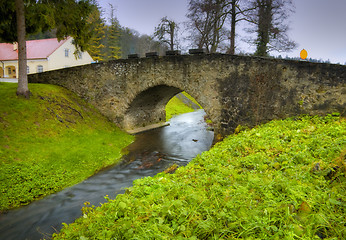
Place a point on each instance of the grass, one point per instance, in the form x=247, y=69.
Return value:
x=52, y=141
x=281, y=180
x=175, y=107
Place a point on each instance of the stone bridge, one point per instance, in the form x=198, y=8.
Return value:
x=233, y=90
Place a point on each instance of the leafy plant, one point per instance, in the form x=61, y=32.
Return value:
x=175, y=106
x=281, y=180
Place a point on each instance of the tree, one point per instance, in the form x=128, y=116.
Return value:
x=237, y=10
x=166, y=32
x=269, y=18
x=30, y=16
x=23, y=88
x=132, y=42
x=233, y=13
x=207, y=18
x=128, y=41
x=146, y=43
x=264, y=26
x=13, y=28
x=42, y=35
x=95, y=48
x=113, y=43
x=70, y=19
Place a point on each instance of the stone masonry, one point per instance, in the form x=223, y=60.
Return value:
x=233, y=90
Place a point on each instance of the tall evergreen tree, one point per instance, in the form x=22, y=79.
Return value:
x=113, y=42
x=97, y=23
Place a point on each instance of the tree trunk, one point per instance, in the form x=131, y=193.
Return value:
x=23, y=89
x=214, y=43
x=233, y=21
x=172, y=29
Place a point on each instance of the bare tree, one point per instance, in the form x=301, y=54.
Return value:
x=233, y=13
x=166, y=32
x=269, y=20
x=237, y=11
x=207, y=18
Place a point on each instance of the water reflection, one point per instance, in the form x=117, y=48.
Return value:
x=152, y=152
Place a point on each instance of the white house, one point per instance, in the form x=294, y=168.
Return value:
x=42, y=55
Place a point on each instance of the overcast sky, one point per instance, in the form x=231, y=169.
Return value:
x=319, y=26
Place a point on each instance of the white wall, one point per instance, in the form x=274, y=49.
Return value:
x=34, y=63
x=58, y=60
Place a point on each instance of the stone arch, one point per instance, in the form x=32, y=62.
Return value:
x=148, y=107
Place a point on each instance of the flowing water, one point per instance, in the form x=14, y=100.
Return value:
x=151, y=153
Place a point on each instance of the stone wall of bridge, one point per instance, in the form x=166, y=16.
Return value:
x=233, y=90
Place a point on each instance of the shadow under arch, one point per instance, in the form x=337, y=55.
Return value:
x=147, y=109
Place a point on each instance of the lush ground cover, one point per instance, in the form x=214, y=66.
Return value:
x=175, y=106
x=281, y=180
x=52, y=141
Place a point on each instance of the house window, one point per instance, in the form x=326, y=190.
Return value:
x=39, y=68
x=27, y=69
x=9, y=71
x=67, y=52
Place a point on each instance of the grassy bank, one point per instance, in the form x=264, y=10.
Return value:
x=175, y=107
x=52, y=141
x=282, y=180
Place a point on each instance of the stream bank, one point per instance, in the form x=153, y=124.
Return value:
x=152, y=152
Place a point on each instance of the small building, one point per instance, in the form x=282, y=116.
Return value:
x=42, y=55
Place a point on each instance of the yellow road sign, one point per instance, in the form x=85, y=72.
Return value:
x=303, y=54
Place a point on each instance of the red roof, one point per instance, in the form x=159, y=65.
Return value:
x=35, y=49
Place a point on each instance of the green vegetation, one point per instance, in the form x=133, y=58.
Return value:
x=175, y=106
x=281, y=180
x=52, y=141
x=192, y=99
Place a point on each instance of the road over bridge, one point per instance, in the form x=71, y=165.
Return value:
x=232, y=89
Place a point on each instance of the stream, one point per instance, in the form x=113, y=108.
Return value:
x=152, y=152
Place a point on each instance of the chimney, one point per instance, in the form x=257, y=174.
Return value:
x=15, y=46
